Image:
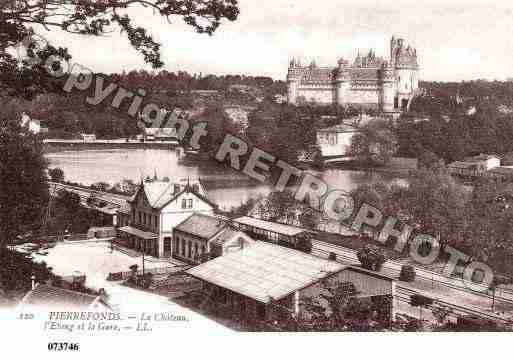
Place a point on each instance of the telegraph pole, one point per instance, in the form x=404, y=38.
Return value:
x=143, y=263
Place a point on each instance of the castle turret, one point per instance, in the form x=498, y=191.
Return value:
x=393, y=45
x=342, y=82
x=406, y=69
x=387, y=79
x=293, y=79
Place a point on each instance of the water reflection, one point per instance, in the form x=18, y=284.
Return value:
x=226, y=187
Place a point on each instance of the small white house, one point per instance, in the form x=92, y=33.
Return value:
x=475, y=166
x=335, y=141
x=33, y=125
x=486, y=161
x=86, y=137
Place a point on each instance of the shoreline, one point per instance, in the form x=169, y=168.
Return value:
x=352, y=166
x=51, y=146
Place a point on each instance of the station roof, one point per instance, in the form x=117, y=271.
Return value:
x=45, y=295
x=138, y=233
x=225, y=235
x=340, y=128
x=279, y=228
x=264, y=271
x=201, y=225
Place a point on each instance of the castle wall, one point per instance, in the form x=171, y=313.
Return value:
x=388, y=90
x=369, y=81
x=371, y=98
x=365, y=98
x=292, y=92
x=324, y=95
x=406, y=81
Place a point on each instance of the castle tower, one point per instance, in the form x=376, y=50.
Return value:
x=406, y=70
x=393, y=46
x=293, y=79
x=387, y=78
x=342, y=82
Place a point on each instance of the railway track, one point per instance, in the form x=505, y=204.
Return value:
x=84, y=193
x=404, y=294
x=430, y=277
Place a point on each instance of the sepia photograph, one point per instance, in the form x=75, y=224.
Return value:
x=175, y=170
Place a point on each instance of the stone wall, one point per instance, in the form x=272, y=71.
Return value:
x=325, y=95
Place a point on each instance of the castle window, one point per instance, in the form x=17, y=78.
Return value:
x=332, y=140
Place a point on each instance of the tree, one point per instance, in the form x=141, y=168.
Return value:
x=441, y=314
x=69, y=214
x=286, y=131
x=435, y=203
x=133, y=273
x=95, y=18
x=56, y=174
x=16, y=272
x=407, y=273
x=371, y=257
x=69, y=200
x=331, y=309
x=23, y=188
x=218, y=124
x=100, y=186
x=375, y=142
x=128, y=186
x=283, y=207
x=429, y=160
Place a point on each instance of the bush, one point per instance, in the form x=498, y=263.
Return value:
x=371, y=257
x=147, y=279
x=407, y=273
x=56, y=174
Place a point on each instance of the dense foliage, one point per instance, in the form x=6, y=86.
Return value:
x=455, y=120
x=283, y=207
x=477, y=222
x=376, y=142
x=286, y=131
x=23, y=188
x=92, y=18
x=407, y=273
x=17, y=269
x=371, y=257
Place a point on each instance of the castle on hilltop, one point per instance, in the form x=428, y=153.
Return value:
x=370, y=81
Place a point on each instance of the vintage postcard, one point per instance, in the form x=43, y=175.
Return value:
x=183, y=175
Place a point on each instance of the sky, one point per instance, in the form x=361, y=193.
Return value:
x=455, y=40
